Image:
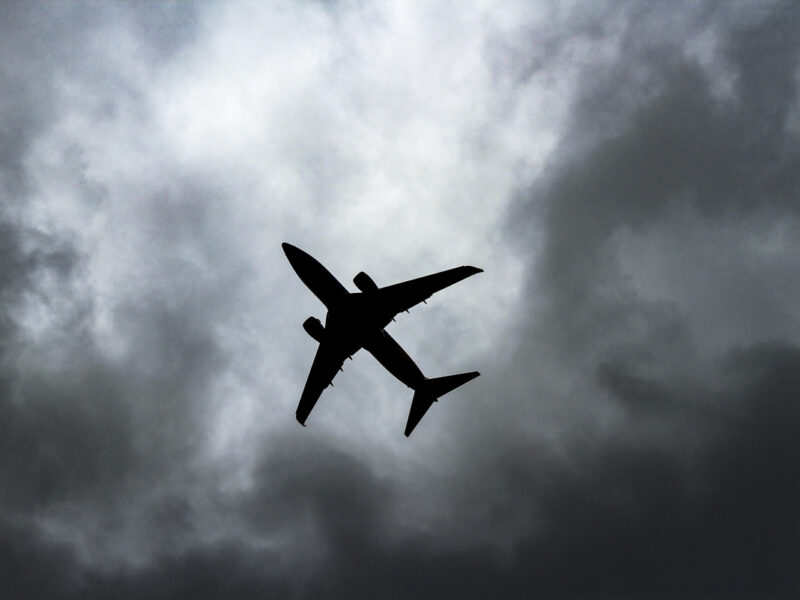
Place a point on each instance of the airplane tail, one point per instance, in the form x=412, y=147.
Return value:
x=431, y=390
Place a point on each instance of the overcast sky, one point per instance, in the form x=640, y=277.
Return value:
x=626, y=173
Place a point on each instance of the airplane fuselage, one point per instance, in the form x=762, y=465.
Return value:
x=352, y=320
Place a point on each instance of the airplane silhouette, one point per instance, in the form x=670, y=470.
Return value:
x=357, y=320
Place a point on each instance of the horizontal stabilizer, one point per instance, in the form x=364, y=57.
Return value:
x=442, y=385
x=427, y=393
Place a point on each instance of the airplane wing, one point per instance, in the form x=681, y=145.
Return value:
x=402, y=296
x=327, y=362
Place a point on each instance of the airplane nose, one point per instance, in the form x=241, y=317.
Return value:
x=297, y=258
x=290, y=251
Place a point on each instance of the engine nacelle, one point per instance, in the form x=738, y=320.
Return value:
x=364, y=282
x=314, y=328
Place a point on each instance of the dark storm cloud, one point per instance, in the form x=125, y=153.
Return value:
x=85, y=438
x=670, y=473
x=84, y=435
x=48, y=448
x=679, y=147
x=639, y=519
x=616, y=520
x=54, y=445
x=81, y=434
x=33, y=569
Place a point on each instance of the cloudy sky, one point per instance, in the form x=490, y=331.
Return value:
x=627, y=174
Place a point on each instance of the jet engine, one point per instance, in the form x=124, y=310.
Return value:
x=364, y=282
x=314, y=328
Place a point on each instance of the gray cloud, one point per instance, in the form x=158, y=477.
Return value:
x=633, y=431
x=621, y=520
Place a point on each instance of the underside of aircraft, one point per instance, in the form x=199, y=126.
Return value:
x=358, y=320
